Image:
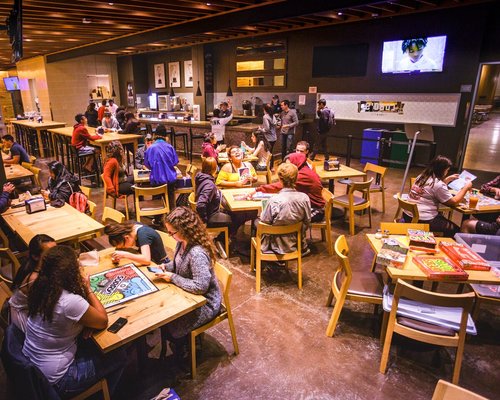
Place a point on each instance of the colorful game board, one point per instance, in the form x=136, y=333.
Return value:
x=440, y=268
x=119, y=285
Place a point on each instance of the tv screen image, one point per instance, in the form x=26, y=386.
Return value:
x=420, y=54
x=11, y=83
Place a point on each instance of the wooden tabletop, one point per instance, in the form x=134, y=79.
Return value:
x=145, y=313
x=342, y=173
x=411, y=271
x=106, y=138
x=485, y=205
x=63, y=224
x=241, y=205
x=16, y=171
x=39, y=125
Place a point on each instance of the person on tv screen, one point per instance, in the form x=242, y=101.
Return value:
x=414, y=58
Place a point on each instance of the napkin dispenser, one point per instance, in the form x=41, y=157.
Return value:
x=331, y=165
x=35, y=204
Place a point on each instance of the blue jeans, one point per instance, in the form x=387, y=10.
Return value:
x=286, y=144
x=89, y=367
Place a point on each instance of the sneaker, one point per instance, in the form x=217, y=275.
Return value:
x=306, y=252
x=220, y=249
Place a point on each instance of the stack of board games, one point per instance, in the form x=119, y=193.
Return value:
x=464, y=257
x=421, y=240
x=392, y=254
x=440, y=268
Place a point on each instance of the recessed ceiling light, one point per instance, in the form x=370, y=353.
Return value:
x=87, y=21
x=340, y=13
x=111, y=4
x=209, y=4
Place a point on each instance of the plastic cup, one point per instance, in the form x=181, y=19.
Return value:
x=473, y=199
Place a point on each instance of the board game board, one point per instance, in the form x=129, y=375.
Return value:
x=440, y=268
x=119, y=285
x=464, y=257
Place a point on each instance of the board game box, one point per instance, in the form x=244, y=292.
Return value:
x=392, y=254
x=421, y=238
x=440, y=268
x=119, y=285
x=464, y=257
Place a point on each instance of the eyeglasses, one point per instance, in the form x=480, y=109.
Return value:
x=171, y=233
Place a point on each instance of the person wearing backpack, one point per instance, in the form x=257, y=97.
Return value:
x=62, y=184
x=325, y=123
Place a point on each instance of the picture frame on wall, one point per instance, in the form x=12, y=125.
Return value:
x=174, y=74
x=130, y=94
x=159, y=70
x=188, y=73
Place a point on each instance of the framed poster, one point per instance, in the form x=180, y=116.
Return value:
x=160, y=75
x=188, y=73
x=130, y=94
x=174, y=74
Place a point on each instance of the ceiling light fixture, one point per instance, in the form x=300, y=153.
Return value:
x=87, y=21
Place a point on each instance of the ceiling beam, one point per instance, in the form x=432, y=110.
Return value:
x=231, y=19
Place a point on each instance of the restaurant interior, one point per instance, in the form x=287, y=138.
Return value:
x=311, y=329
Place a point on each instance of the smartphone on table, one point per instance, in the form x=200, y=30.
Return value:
x=156, y=270
x=117, y=325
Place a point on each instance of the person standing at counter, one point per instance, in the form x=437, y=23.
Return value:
x=161, y=159
x=275, y=104
x=289, y=121
x=269, y=126
x=225, y=109
x=218, y=124
x=325, y=123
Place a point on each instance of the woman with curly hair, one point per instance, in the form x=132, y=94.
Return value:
x=118, y=183
x=60, y=306
x=133, y=234
x=191, y=270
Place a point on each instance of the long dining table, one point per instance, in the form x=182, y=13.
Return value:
x=144, y=314
x=39, y=128
x=411, y=271
x=342, y=173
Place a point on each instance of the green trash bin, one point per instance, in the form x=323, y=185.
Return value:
x=398, y=152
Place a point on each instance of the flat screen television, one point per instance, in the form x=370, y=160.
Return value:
x=344, y=60
x=419, y=54
x=11, y=83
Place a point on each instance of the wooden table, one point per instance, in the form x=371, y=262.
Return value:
x=14, y=172
x=411, y=271
x=241, y=205
x=63, y=224
x=39, y=127
x=124, y=138
x=145, y=313
x=481, y=208
x=343, y=172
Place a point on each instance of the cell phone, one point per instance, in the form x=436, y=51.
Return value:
x=117, y=325
x=155, y=270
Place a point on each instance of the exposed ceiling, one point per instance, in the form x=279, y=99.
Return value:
x=122, y=27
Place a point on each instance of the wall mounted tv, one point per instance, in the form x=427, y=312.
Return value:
x=345, y=60
x=11, y=83
x=419, y=54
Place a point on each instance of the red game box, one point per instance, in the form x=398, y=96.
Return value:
x=440, y=268
x=464, y=257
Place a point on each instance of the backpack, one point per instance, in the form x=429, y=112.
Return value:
x=331, y=119
x=79, y=201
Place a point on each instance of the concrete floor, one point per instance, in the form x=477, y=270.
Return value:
x=284, y=353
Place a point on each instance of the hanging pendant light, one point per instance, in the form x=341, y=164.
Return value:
x=229, y=92
x=198, y=91
x=113, y=94
x=172, y=94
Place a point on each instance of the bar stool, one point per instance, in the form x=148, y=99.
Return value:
x=77, y=165
x=193, y=137
x=173, y=139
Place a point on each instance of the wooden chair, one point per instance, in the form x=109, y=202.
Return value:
x=326, y=224
x=191, y=170
x=86, y=191
x=92, y=208
x=395, y=228
x=5, y=295
x=379, y=185
x=257, y=256
x=36, y=175
x=32, y=160
x=151, y=211
x=106, y=195
x=267, y=173
x=355, y=203
x=215, y=231
x=364, y=288
x=112, y=214
x=168, y=241
x=426, y=332
x=448, y=391
x=405, y=205
x=9, y=269
x=224, y=277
